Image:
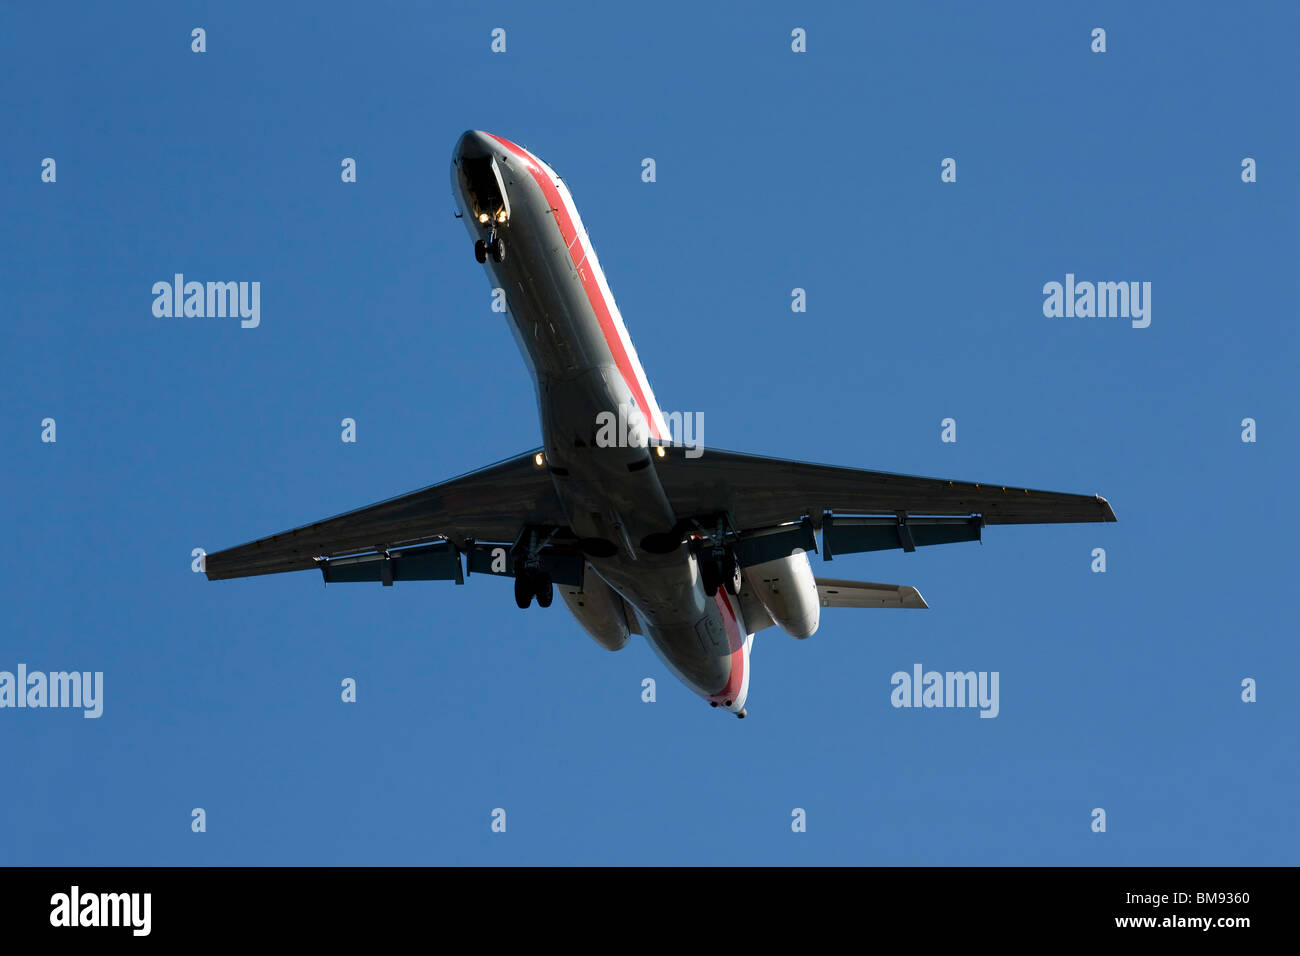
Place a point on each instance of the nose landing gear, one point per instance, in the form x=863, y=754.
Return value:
x=494, y=246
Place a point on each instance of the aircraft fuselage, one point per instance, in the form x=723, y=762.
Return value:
x=583, y=364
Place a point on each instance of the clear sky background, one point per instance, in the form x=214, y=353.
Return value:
x=775, y=170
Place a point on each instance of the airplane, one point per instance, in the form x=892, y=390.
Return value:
x=697, y=552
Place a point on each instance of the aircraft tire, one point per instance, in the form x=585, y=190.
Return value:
x=731, y=578
x=523, y=590
x=708, y=575
x=545, y=590
x=480, y=250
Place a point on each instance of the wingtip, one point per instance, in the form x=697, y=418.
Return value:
x=1108, y=513
x=912, y=599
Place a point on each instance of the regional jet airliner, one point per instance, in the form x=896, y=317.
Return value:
x=695, y=552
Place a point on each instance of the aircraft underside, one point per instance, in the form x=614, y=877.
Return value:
x=695, y=549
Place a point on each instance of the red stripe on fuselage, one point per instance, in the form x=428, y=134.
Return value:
x=577, y=254
x=736, y=641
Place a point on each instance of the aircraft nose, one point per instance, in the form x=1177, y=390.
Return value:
x=474, y=144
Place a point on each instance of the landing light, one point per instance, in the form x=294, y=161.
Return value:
x=539, y=460
x=659, y=450
x=501, y=216
x=482, y=217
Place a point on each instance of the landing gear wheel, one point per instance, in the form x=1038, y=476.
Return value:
x=524, y=590
x=731, y=577
x=709, y=576
x=719, y=573
x=545, y=590
x=480, y=250
x=498, y=249
x=531, y=584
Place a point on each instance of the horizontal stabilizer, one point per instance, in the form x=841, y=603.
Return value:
x=833, y=593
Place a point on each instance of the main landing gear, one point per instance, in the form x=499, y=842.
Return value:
x=531, y=584
x=494, y=246
x=718, y=566
x=716, y=572
x=530, y=580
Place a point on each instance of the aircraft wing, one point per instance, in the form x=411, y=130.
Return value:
x=856, y=510
x=491, y=504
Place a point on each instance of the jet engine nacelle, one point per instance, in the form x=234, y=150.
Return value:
x=788, y=592
x=599, y=609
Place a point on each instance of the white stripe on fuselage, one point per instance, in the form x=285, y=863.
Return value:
x=653, y=413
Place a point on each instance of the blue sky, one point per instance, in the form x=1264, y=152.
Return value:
x=775, y=170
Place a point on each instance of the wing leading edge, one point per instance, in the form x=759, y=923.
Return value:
x=758, y=492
